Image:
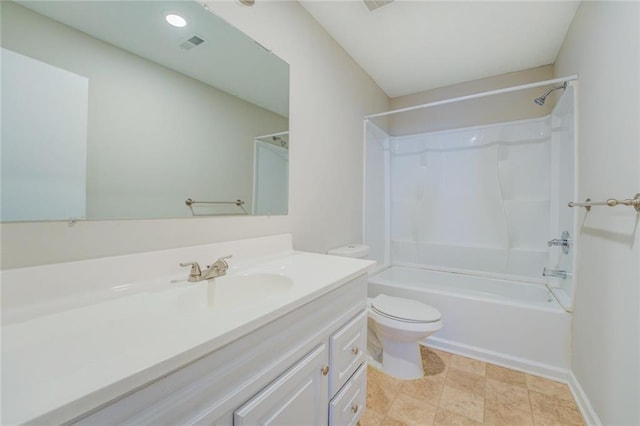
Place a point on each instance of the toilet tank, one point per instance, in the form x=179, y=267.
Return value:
x=357, y=251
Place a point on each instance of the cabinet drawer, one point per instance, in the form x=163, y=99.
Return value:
x=346, y=408
x=347, y=351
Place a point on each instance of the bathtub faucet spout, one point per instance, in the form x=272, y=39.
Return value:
x=558, y=273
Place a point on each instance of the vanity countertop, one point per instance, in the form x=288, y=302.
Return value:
x=61, y=363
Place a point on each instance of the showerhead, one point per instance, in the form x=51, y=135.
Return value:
x=540, y=100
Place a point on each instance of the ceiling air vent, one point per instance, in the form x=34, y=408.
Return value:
x=376, y=4
x=191, y=42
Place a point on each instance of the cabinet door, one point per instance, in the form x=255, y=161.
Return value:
x=347, y=351
x=298, y=397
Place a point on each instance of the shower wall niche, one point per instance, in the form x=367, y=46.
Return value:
x=482, y=199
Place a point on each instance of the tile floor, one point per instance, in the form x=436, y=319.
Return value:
x=463, y=391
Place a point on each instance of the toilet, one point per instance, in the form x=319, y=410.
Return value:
x=399, y=324
x=396, y=325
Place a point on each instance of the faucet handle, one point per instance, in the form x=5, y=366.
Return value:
x=195, y=273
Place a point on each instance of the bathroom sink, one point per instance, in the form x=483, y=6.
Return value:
x=228, y=292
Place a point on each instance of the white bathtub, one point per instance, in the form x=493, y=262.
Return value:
x=516, y=324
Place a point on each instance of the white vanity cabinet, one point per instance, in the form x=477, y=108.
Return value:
x=299, y=396
x=347, y=351
x=346, y=408
x=305, y=367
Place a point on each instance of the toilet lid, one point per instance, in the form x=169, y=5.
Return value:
x=404, y=309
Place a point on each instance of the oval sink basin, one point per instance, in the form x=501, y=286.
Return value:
x=228, y=292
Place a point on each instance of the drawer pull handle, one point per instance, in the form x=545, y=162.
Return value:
x=355, y=408
x=355, y=351
x=325, y=370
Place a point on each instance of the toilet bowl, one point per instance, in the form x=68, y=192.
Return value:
x=395, y=326
x=399, y=324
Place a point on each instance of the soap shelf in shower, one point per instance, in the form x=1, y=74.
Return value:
x=611, y=202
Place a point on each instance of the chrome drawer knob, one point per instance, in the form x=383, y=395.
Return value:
x=355, y=351
x=325, y=370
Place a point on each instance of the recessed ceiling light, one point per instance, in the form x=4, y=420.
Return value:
x=175, y=20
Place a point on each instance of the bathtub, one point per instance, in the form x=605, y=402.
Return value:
x=516, y=324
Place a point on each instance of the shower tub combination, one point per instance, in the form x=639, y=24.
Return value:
x=459, y=214
x=516, y=324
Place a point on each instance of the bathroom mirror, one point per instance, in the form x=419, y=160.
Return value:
x=110, y=111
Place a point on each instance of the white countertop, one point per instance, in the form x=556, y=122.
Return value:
x=60, y=364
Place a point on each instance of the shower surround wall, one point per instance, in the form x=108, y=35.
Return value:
x=476, y=199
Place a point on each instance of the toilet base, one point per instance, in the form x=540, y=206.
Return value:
x=402, y=359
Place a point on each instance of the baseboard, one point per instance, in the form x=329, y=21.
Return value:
x=588, y=413
x=504, y=360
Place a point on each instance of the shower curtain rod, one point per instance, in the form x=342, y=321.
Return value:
x=475, y=95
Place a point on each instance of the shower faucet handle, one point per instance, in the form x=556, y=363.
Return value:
x=557, y=242
x=563, y=242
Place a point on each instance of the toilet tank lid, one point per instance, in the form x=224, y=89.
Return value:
x=350, y=250
x=407, y=309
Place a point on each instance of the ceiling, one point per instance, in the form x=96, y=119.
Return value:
x=412, y=46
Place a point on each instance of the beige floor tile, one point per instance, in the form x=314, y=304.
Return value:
x=507, y=396
x=392, y=422
x=412, y=411
x=501, y=415
x=449, y=418
x=548, y=410
x=376, y=376
x=371, y=418
x=467, y=364
x=462, y=391
x=549, y=387
x=379, y=397
x=463, y=403
x=427, y=388
x=466, y=382
x=506, y=375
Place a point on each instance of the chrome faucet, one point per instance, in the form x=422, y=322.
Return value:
x=558, y=273
x=217, y=269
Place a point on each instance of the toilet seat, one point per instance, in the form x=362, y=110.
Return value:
x=404, y=310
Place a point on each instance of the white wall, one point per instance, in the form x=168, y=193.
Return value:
x=329, y=96
x=603, y=48
x=493, y=109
